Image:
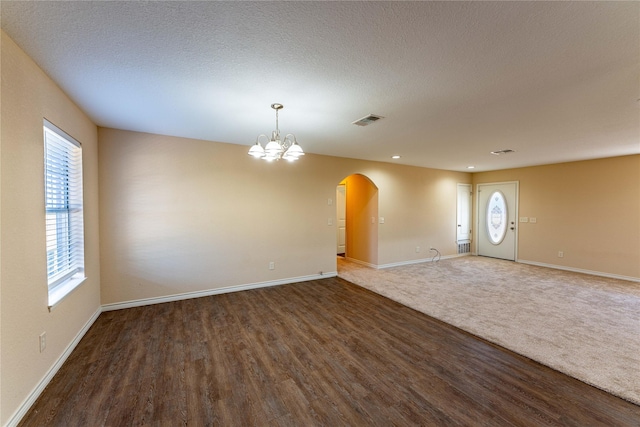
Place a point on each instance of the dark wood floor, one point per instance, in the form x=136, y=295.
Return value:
x=316, y=353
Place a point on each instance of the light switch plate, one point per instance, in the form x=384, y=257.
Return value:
x=524, y=219
x=533, y=219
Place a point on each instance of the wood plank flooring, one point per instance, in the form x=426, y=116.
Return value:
x=324, y=352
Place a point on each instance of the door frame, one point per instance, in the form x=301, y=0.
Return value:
x=344, y=212
x=517, y=221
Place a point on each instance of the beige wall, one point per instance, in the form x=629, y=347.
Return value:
x=28, y=96
x=180, y=215
x=589, y=210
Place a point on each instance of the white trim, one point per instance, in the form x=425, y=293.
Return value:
x=580, y=270
x=61, y=291
x=209, y=292
x=419, y=261
x=60, y=132
x=401, y=263
x=357, y=261
x=35, y=393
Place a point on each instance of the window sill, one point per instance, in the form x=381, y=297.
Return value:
x=62, y=290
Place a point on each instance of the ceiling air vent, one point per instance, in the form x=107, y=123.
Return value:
x=501, y=152
x=367, y=120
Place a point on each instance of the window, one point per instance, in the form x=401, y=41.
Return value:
x=497, y=217
x=64, y=213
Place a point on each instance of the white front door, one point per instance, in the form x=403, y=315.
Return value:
x=497, y=213
x=341, y=214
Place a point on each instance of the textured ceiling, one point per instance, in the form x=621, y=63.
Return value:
x=554, y=81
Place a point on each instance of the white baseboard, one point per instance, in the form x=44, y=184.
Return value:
x=419, y=261
x=217, y=291
x=580, y=270
x=35, y=393
x=357, y=261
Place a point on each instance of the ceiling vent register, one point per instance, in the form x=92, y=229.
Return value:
x=367, y=120
x=501, y=152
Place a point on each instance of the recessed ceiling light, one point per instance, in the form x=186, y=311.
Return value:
x=471, y=167
x=395, y=157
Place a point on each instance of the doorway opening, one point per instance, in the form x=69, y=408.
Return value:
x=357, y=220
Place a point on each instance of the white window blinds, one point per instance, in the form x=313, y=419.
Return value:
x=64, y=212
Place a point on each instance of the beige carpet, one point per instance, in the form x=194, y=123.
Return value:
x=585, y=326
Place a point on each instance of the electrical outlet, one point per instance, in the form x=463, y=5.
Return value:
x=43, y=341
x=417, y=249
x=272, y=265
x=560, y=254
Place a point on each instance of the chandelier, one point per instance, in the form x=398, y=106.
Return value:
x=275, y=148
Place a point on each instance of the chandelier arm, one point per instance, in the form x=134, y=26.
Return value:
x=288, y=141
x=262, y=135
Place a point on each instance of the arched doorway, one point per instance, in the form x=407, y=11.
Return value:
x=360, y=215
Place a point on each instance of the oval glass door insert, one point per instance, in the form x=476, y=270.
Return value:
x=497, y=217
